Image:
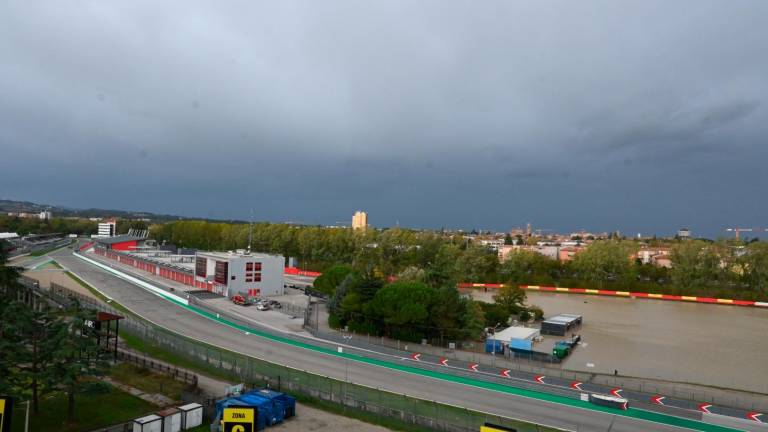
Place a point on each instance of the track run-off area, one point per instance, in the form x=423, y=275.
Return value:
x=656, y=419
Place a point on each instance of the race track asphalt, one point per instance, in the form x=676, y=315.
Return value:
x=192, y=325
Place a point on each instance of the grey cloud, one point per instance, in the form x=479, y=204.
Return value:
x=420, y=112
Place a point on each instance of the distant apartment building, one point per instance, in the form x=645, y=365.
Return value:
x=646, y=254
x=492, y=243
x=662, y=261
x=551, y=252
x=360, y=220
x=684, y=233
x=567, y=253
x=45, y=215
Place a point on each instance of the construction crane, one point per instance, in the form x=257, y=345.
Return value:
x=737, y=231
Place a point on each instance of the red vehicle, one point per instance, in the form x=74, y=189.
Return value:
x=240, y=300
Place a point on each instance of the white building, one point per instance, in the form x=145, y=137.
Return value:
x=107, y=229
x=45, y=215
x=247, y=274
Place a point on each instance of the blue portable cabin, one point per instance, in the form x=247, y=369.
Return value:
x=494, y=346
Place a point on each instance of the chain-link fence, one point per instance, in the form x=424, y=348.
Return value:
x=258, y=373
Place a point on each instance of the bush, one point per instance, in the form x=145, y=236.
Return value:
x=525, y=315
x=538, y=313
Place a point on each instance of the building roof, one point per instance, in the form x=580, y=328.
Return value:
x=119, y=239
x=234, y=254
x=510, y=333
x=563, y=319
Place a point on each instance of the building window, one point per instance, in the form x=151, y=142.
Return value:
x=257, y=277
x=249, y=267
x=257, y=266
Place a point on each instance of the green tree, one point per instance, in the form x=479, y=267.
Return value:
x=77, y=356
x=686, y=263
x=477, y=264
x=494, y=315
x=473, y=321
x=527, y=266
x=605, y=261
x=442, y=270
x=697, y=265
x=754, y=266
x=412, y=274
x=511, y=299
x=331, y=278
x=447, y=312
x=9, y=344
x=33, y=335
x=404, y=309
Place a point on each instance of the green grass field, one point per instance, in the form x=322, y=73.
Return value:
x=146, y=380
x=91, y=411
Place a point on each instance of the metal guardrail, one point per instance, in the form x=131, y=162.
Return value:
x=164, y=368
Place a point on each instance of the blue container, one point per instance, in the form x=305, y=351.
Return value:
x=271, y=411
x=262, y=409
x=494, y=346
x=288, y=402
x=521, y=344
x=272, y=406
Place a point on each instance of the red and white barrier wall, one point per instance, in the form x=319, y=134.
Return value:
x=164, y=272
x=629, y=294
x=296, y=272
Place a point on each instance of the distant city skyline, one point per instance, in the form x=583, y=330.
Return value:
x=640, y=117
x=522, y=227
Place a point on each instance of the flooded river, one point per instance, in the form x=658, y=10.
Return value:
x=723, y=346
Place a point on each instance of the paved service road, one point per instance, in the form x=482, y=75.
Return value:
x=192, y=325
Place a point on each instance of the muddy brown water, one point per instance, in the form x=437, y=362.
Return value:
x=723, y=346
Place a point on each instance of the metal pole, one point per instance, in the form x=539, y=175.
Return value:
x=26, y=420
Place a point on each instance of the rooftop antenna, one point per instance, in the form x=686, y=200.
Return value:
x=250, y=232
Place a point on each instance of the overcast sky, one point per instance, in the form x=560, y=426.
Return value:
x=643, y=116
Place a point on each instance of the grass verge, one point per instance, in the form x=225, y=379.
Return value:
x=91, y=411
x=147, y=380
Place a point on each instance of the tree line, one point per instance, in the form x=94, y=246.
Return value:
x=721, y=268
x=44, y=350
x=24, y=226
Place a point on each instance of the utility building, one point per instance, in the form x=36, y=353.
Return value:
x=559, y=325
x=247, y=274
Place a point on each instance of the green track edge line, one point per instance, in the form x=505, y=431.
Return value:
x=501, y=388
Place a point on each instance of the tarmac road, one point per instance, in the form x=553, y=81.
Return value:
x=192, y=325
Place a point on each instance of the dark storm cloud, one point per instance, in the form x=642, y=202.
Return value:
x=640, y=116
